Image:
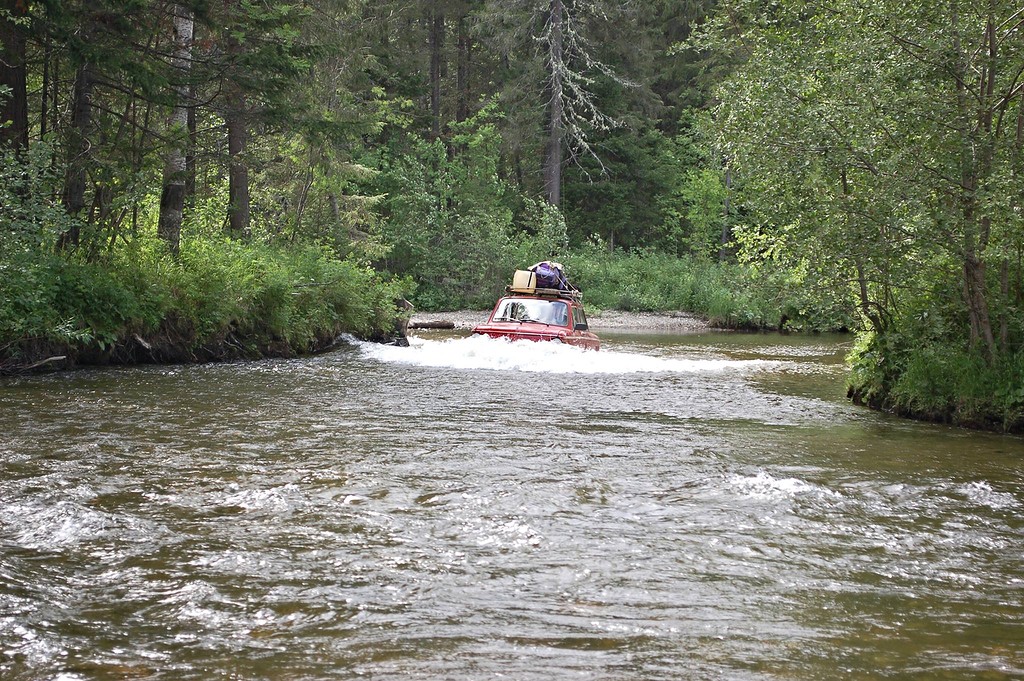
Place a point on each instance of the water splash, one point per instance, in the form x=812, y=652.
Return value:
x=766, y=486
x=481, y=352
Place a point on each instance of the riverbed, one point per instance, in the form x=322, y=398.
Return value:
x=676, y=506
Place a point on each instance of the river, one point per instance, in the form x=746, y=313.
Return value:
x=702, y=506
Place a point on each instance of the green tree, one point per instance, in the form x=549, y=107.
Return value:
x=553, y=69
x=881, y=139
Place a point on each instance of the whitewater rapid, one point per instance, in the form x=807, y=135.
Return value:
x=496, y=354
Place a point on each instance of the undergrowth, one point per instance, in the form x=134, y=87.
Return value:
x=727, y=294
x=258, y=298
x=933, y=381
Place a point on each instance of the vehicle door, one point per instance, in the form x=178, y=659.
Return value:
x=580, y=329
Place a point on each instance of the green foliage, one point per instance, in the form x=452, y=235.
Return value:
x=454, y=225
x=923, y=366
x=299, y=295
x=220, y=294
x=704, y=194
x=644, y=194
x=727, y=294
x=32, y=278
x=938, y=381
x=29, y=216
x=876, y=160
x=870, y=154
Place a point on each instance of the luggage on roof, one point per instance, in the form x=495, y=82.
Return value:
x=544, y=279
x=550, y=275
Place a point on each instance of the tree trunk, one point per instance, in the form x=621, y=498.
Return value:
x=436, y=46
x=868, y=308
x=78, y=151
x=556, y=130
x=300, y=208
x=13, y=106
x=1004, y=316
x=335, y=211
x=975, y=166
x=977, y=305
x=172, y=198
x=238, y=170
x=190, y=151
x=235, y=118
x=462, y=73
x=44, y=100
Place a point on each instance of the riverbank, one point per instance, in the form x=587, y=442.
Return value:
x=179, y=346
x=167, y=346
x=217, y=300
x=680, y=322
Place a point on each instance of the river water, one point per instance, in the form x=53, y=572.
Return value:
x=672, y=507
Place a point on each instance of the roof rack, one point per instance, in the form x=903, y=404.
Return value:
x=567, y=294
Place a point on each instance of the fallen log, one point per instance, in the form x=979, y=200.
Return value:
x=438, y=324
x=41, y=362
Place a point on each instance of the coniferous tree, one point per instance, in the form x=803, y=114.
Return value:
x=13, y=92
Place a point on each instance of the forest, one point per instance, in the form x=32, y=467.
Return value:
x=187, y=180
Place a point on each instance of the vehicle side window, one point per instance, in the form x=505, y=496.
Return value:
x=579, y=319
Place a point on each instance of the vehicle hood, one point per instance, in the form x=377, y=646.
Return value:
x=521, y=329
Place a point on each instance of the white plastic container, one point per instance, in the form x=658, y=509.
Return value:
x=524, y=281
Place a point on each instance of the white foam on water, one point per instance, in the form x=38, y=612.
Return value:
x=482, y=352
x=981, y=493
x=766, y=486
x=55, y=526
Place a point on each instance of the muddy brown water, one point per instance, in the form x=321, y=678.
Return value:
x=673, y=507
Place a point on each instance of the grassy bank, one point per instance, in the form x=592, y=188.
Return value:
x=221, y=299
x=728, y=295
x=939, y=382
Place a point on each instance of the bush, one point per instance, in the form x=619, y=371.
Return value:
x=936, y=380
x=727, y=294
x=222, y=298
x=300, y=295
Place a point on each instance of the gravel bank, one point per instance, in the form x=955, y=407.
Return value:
x=608, y=319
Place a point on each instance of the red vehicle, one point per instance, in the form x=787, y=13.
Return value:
x=540, y=315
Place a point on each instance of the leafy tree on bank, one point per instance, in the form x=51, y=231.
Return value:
x=106, y=90
x=881, y=149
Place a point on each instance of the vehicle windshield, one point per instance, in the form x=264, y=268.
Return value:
x=553, y=312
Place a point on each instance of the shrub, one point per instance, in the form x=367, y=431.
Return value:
x=253, y=297
x=728, y=294
x=937, y=380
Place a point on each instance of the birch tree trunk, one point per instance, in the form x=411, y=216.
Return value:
x=172, y=198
